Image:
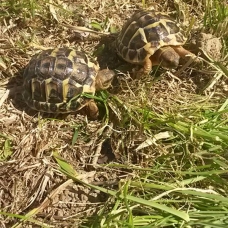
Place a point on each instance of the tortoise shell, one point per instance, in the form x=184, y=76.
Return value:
x=55, y=80
x=144, y=33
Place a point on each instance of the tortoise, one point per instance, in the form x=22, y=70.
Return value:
x=152, y=38
x=60, y=80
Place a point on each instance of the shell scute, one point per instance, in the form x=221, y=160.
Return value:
x=54, y=77
x=144, y=33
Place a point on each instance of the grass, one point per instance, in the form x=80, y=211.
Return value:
x=215, y=17
x=157, y=157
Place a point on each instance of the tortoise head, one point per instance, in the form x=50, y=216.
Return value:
x=168, y=58
x=104, y=79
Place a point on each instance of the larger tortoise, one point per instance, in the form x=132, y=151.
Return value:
x=59, y=81
x=152, y=38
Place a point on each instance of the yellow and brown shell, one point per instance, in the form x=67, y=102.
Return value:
x=55, y=79
x=144, y=33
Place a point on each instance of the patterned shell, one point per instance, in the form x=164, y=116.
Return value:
x=144, y=33
x=55, y=79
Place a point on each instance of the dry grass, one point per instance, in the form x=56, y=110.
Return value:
x=116, y=147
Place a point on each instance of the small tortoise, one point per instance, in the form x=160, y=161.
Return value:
x=57, y=81
x=151, y=38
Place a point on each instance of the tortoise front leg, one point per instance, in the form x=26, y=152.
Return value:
x=92, y=110
x=182, y=52
x=144, y=71
x=147, y=65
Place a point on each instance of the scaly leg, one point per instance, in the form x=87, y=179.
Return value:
x=147, y=66
x=92, y=110
x=182, y=52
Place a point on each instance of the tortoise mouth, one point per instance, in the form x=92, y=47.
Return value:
x=104, y=79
